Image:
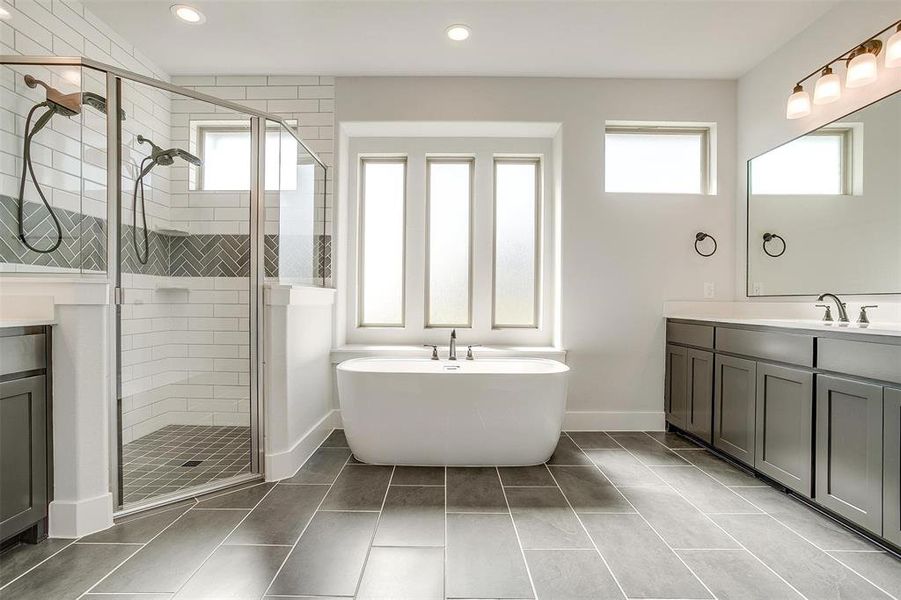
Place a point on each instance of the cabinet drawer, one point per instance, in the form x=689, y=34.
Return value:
x=864, y=359
x=788, y=348
x=690, y=335
x=22, y=353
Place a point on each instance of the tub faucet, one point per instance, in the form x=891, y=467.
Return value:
x=452, y=349
x=842, y=313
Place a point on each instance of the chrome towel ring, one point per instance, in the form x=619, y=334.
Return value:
x=769, y=237
x=700, y=237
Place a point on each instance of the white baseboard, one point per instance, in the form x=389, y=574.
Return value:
x=280, y=465
x=82, y=517
x=613, y=421
x=576, y=420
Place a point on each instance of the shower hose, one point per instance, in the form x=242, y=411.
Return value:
x=27, y=167
x=139, y=186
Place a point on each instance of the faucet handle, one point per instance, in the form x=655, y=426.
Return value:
x=827, y=318
x=434, y=350
x=863, y=318
x=469, y=348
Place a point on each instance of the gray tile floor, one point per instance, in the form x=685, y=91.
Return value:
x=177, y=457
x=619, y=515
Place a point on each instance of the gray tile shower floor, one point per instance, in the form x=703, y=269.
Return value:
x=181, y=456
x=634, y=515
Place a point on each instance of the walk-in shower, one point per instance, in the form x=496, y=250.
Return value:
x=187, y=208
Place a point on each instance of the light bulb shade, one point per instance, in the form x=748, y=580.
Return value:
x=893, y=51
x=798, y=104
x=861, y=70
x=828, y=89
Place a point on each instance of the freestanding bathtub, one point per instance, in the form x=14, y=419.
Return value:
x=505, y=412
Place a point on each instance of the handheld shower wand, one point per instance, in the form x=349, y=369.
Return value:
x=56, y=103
x=158, y=156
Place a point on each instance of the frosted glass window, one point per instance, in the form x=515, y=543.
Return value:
x=382, y=244
x=515, y=243
x=813, y=164
x=655, y=162
x=449, y=206
x=226, y=159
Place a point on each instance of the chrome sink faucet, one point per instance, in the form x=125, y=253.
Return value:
x=452, y=349
x=842, y=313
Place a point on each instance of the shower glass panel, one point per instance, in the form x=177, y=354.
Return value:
x=297, y=249
x=62, y=110
x=185, y=306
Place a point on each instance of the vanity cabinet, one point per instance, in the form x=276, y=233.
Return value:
x=24, y=433
x=891, y=466
x=675, y=392
x=699, y=397
x=849, y=432
x=688, y=390
x=783, y=446
x=734, y=421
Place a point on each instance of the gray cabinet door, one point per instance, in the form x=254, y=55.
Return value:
x=735, y=382
x=784, y=447
x=699, y=394
x=23, y=454
x=675, y=390
x=849, y=450
x=891, y=481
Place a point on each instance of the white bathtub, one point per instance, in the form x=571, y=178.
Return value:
x=505, y=412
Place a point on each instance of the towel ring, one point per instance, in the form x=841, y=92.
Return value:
x=769, y=237
x=700, y=237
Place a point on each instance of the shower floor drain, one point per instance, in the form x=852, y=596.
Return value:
x=192, y=463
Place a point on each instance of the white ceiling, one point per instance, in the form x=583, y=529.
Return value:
x=624, y=38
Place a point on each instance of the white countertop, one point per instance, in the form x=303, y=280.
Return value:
x=877, y=328
x=4, y=323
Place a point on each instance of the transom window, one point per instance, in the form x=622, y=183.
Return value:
x=447, y=239
x=820, y=163
x=657, y=159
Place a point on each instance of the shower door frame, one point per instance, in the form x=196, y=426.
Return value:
x=258, y=118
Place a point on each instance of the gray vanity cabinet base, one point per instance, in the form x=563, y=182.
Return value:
x=891, y=494
x=849, y=450
x=734, y=421
x=784, y=444
x=699, y=395
x=675, y=392
x=23, y=460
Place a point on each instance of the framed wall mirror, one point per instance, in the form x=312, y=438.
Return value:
x=824, y=210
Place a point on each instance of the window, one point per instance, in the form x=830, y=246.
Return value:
x=224, y=148
x=382, y=210
x=448, y=291
x=816, y=164
x=656, y=160
x=516, y=242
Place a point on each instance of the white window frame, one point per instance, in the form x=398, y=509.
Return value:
x=536, y=312
x=361, y=237
x=708, y=159
x=482, y=329
x=849, y=135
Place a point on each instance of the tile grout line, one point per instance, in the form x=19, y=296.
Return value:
x=444, y=578
x=144, y=545
x=313, y=516
x=648, y=523
x=8, y=583
x=585, y=529
x=375, y=530
x=522, y=551
x=717, y=525
x=774, y=518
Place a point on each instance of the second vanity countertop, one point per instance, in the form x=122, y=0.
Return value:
x=891, y=332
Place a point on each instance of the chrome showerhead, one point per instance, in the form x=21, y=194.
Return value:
x=166, y=158
x=69, y=105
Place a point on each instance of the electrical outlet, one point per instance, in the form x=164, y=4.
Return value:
x=709, y=290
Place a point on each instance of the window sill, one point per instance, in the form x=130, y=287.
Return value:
x=403, y=351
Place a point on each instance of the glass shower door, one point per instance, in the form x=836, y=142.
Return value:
x=185, y=303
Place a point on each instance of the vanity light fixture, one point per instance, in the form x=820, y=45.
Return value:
x=861, y=69
x=828, y=88
x=458, y=32
x=188, y=14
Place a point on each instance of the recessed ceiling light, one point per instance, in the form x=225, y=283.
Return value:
x=187, y=13
x=5, y=15
x=458, y=33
